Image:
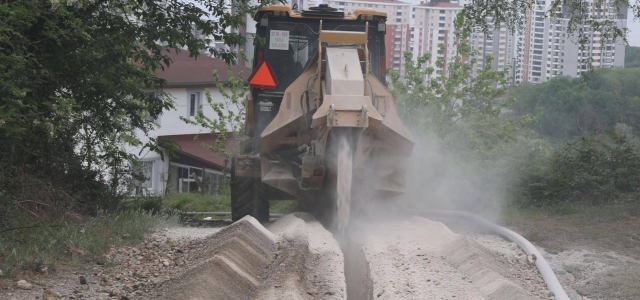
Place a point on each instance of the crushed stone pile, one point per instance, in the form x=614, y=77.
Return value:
x=296, y=258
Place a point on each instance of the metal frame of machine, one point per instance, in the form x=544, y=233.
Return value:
x=295, y=152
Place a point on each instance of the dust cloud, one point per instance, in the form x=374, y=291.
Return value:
x=391, y=253
x=437, y=179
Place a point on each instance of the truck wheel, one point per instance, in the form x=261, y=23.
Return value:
x=247, y=198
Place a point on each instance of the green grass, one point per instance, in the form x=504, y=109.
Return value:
x=37, y=244
x=197, y=202
x=605, y=212
x=283, y=206
x=562, y=227
x=194, y=202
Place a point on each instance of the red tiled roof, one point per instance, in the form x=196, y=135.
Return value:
x=440, y=3
x=192, y=147
x=185, y=70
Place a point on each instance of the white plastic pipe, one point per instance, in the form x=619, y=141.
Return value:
x=543, y=266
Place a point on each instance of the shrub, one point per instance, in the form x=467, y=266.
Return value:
x=590, y=170
x=198, y=202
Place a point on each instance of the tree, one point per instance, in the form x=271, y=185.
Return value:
x=573, y=107
x=72, y=75
x=463, y=127
x=589, y=170
x=632, y=57
x=229, y=118
x=466, y=113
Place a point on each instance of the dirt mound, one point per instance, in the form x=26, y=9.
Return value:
x=296, y=258
x=238, y=254
x=416, y=258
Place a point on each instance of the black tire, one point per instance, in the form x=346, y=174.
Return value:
x=247, y=198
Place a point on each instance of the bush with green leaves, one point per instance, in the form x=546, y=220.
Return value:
x=467, y=114
x=229, y=118
x=72, y=76
x=572, y=107
x=463, y=125
x=589, y=170
x=632, y=57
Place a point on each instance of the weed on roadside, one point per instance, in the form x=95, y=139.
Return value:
x=194, y=202
x=580, y=226
x=197, y=202
x=283, y=206
x=38, y=245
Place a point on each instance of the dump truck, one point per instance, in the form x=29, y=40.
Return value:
x=320, y=125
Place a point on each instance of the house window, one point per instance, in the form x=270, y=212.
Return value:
x=142, y=176
x=194, y=104
x=183, y=180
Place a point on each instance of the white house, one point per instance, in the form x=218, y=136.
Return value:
x=187, y=80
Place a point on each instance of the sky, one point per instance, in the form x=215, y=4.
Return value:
x=634, y=28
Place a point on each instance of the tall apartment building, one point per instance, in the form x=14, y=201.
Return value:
x=398, y=18
x=499, y=43
x=433, y=25
x=545, y=49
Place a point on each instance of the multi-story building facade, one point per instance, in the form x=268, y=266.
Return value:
x=499, y=44
x=398, y=18
x=189, y=80
x=544, y=48
x=434, y=25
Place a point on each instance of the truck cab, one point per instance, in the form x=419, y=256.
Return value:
x=287, y=40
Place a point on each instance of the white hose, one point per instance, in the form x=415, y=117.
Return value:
x=543, y=266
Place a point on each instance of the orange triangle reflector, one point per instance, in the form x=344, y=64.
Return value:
x=263, y=77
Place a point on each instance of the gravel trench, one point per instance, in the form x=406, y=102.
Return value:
x=415, y=258
x=296, y=258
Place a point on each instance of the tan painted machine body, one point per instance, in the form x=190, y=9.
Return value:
x=336, y=94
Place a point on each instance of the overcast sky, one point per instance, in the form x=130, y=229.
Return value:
x=634, y=28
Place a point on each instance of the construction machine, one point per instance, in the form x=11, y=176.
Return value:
x=320, y=126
